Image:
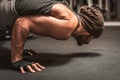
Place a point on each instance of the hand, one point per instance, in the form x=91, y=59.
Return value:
x=34, y=67
x=24, y=66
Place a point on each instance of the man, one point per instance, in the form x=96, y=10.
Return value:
x=52, y=18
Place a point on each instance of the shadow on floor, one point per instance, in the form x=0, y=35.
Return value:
x=56, y=59
x=46, y=59
x=5, y=58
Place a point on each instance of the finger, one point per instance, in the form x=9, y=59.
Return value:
x=22, y=70
x=42, y=67
x=30, y=69
x=36, y=67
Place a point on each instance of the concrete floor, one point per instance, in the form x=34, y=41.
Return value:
x=64, y=60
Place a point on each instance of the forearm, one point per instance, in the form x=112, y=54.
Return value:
x=19, y=36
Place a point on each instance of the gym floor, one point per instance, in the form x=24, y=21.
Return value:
x=64, y=60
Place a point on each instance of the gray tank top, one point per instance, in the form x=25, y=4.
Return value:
x=7, y=13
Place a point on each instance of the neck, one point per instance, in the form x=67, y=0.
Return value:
x=78, y=29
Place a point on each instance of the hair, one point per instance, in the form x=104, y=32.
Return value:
x=92, y=20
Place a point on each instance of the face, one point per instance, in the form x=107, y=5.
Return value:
x=82, y=36
x=83, y=39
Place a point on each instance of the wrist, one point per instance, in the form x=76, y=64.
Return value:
x=13, y=60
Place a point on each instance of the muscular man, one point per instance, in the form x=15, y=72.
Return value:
x=51, y=18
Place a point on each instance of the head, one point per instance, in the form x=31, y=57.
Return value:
x=91, y=23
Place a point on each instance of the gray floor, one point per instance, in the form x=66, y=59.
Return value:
x=64, y=60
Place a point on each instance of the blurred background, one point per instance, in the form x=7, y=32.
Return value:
x=110, y=8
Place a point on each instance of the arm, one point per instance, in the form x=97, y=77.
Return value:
x=19, y=35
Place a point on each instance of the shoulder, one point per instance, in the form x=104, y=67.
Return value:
x=60, y=10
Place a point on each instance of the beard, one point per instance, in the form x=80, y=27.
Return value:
x=80, y=40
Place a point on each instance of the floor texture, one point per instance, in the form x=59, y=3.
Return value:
x=64, y=60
